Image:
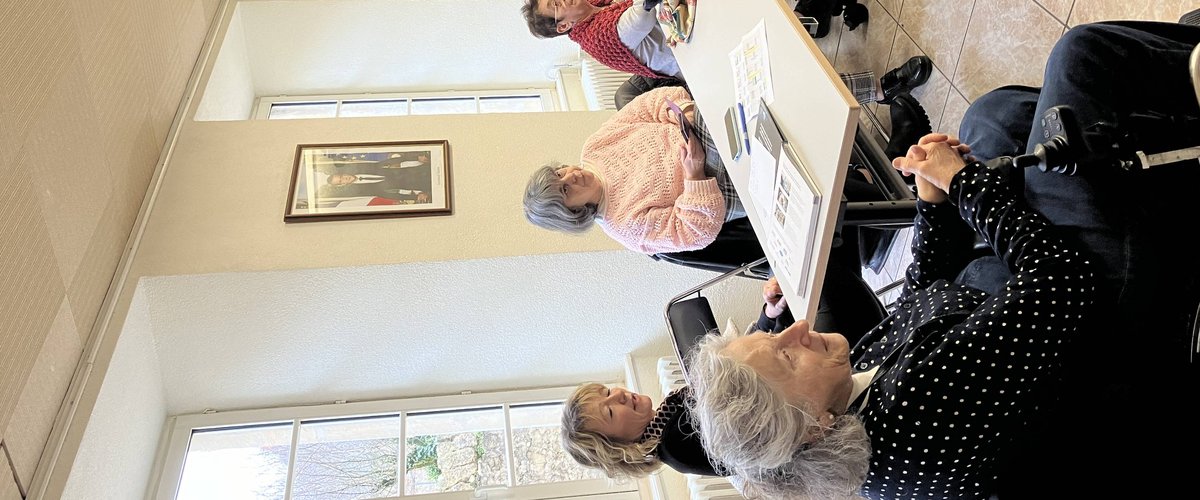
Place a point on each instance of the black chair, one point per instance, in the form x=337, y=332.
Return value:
x=637, y=85
x=690, y=318
x=734, y=246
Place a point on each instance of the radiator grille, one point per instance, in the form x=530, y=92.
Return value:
x=599, y=83
x=670, y=377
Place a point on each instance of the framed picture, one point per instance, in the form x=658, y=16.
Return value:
x=375, y=180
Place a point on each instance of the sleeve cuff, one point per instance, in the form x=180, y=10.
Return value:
x=706, y=186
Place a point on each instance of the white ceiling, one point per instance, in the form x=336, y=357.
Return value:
x=301, y=47
x=242, y=340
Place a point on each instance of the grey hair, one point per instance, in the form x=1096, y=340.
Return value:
x=595, y=450
x=546, y=207
x=779, y=450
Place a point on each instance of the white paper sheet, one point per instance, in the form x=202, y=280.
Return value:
x=752, y=70
x=762, y=179
x=793, y=222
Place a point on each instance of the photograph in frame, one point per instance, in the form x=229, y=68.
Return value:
x=369, y=181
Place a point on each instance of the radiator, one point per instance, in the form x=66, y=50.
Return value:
x=670, y=377
x=599, y=83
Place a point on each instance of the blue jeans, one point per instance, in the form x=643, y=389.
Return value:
x=1130, y=221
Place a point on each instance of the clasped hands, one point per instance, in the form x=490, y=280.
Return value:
x=934, y=160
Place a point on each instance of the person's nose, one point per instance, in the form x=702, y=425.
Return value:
x=795, y=335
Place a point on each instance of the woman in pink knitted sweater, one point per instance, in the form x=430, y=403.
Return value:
x=646, y=186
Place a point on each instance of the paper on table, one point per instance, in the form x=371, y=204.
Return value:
x=793, y=221
x=752, y=70
x=762, y=179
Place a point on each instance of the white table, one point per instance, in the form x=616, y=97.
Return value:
x=814, y=110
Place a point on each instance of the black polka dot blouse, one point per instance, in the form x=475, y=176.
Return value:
x=962, y=372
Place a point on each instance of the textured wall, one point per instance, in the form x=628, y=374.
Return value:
x=244, y=340
x=122, y=435
x=89, y=91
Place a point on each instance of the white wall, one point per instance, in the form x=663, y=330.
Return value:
x=230, y=93
x=301, y=47
x=261, y=339
x=118, y=448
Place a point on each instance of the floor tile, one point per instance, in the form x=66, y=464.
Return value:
x=956, y=106
x=1060, y=9
x=1087, y=11
x=938, y=28
x=867, y=47
x=1009, y=43
x=829, y=43
x=931, y=95
x=892, y=7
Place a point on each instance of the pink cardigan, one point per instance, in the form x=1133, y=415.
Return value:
x=648, y=205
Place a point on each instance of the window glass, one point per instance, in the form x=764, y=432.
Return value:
x=242, y=463
x=455, y=450
x=347, y=459
x=537, y=450
x=444, y=106
x=510, y=104
x=379, y=107
x=294, y=110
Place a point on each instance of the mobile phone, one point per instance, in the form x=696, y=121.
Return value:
x=685, y=127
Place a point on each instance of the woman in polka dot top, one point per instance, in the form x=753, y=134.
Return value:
x=933, y=401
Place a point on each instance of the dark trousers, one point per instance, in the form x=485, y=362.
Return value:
x=1116, y=422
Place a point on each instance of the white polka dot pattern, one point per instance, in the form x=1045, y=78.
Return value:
x=969, y=368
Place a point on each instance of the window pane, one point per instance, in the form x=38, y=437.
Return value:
x=511, y=104
x=446, y=106
x=455, y=450
x=382, y=107
x=346, y=459
x=245, y=463
x=537, y=448
x=293, y=110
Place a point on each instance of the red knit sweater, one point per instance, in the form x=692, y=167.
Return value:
x=597, y=35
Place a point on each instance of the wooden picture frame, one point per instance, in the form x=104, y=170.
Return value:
x=369, y=180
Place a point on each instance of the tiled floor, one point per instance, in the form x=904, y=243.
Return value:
x=976, y=46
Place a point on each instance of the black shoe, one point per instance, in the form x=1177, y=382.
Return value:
x=855, y=14
x=909, y=123
x=821, y=10
x=1192, y=18
x=910, y=75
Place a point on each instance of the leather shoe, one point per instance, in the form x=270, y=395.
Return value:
x=909, y=124
x=910, y=75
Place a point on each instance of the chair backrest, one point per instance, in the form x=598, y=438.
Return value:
x=690, y=316
x=688, y=320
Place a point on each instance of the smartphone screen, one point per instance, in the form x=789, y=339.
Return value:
x=685, y=127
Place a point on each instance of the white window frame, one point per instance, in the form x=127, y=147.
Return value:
x=262, y=106
x=178, y=431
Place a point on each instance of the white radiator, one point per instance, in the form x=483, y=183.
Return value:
x=600, y=82
x=670, y=377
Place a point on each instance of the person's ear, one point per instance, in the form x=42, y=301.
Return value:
x=564, y=27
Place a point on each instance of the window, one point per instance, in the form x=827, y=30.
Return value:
x=412, y=103
x=432, y=448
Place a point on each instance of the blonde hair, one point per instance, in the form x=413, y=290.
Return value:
x=595, y=450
